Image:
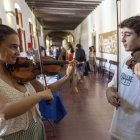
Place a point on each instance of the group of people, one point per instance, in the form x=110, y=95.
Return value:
x=58, y=52
x=18, y=102
x=78, y=54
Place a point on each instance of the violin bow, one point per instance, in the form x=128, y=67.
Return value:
x=40, y=58
x=118, y=41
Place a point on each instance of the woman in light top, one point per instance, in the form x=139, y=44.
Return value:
x=18, y=102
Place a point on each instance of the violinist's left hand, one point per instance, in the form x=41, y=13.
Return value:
x=71, y=68
x=137, y=70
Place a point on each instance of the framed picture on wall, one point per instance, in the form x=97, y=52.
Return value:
x=0, y=20
x=108, y=42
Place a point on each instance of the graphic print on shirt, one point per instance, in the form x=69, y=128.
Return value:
x=126, y=79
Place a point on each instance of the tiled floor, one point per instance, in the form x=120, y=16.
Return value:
x=89, y=114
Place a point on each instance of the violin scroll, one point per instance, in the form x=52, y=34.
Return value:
x=134, y=60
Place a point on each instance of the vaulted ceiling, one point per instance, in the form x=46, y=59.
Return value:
x=62, y=14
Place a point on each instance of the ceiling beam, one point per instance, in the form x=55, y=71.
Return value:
x=62, y=14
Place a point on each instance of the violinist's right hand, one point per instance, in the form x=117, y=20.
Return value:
x=46, y=95
x=112, y=97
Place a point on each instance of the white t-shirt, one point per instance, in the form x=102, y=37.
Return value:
x=126, y=119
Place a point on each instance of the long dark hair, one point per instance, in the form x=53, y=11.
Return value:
x=71, y=48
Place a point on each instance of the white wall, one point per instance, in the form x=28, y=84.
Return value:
x=26, y=14
x=6, y=18
x=105, y=21
x=84, y=33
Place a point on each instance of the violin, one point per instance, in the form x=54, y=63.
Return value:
x=134, y=60
x=25, y=69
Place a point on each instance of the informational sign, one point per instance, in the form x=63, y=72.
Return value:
x=108, y=42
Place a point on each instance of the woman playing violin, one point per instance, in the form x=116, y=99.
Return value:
x=18, y=102
x=126, y=119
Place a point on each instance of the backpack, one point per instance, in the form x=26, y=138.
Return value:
x=80, y=55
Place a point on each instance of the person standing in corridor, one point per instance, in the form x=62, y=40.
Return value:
x=80, y=57
x=126, y=119
x=18, y=100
